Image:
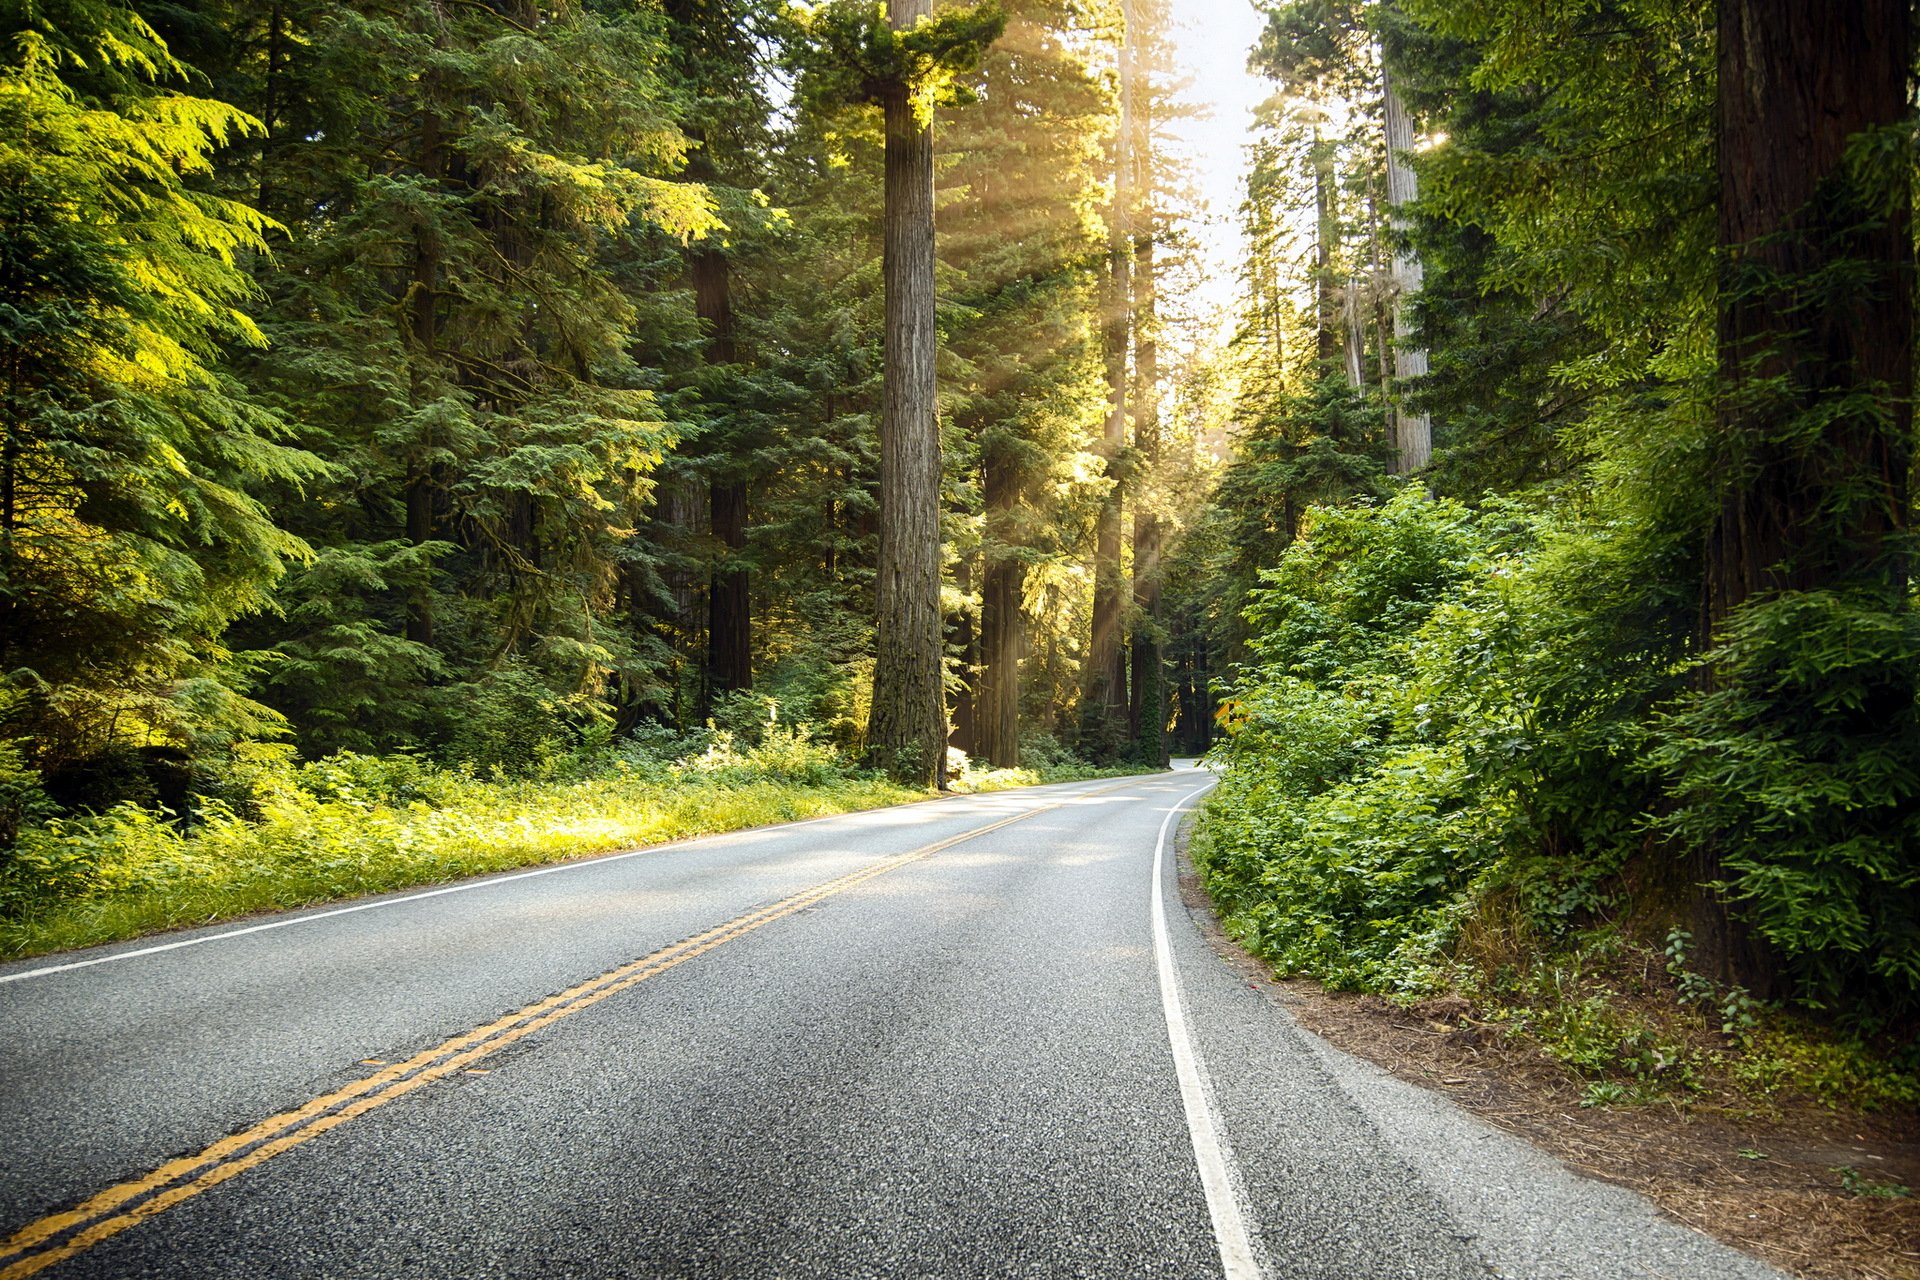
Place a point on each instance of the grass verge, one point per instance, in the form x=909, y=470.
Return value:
x=298, y=835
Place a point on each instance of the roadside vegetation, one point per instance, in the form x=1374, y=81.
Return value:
x=276, y=833
x=1443, y=778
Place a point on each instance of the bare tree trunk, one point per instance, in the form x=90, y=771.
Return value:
x=1413, y=432
x=1323, y=233
x=683, y=510
x=729, y=598
x=963, y=634
x=1353, y=321
x=1147, y=709
x=1816, y=381
x=1104, y=709
x=998, y=723
x=424, y=306
x=270, y=98
x=10, y=451
x=908, y=732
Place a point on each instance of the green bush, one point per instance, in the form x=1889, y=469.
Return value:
x=1798, y=770
x=1450, y=707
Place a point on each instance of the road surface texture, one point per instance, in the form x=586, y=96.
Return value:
x=972, y=1037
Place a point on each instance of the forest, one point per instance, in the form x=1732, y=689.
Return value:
x=437, y=435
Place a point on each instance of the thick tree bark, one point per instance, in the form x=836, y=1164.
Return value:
x=1815, y=363
x=1413, y=432
x=1104, y=687
x=908, y=731
x=729, y=598
x=1147, y=710
x=423, y=304
x=997, y=724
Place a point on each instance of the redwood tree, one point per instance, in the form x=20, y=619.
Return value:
x=1806, y=572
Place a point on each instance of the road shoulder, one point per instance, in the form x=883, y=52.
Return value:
x=1520, y=1209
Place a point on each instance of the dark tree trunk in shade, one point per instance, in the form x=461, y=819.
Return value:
x=997, y=715
x=963, y=638
x=1147, y=712
x=908, y=731
x=729, y=599
x=1104, y=688
x=1808, y=507
x=1326, y=342
x=1193, y=703
x=423, y=303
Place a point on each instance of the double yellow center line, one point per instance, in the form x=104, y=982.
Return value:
x=62, y=1235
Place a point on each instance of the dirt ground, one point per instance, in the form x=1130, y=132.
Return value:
x=1772, y=1186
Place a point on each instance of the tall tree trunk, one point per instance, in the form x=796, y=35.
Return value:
x=9, y=520
x=1353, y=323
x=1326, y=342
x=1413, y=432
x=908, y=731
x=1104, y=711
x=1815, y=338
x=270, y=98
x=998, y=713
x=729, y=599
x=1147, y=709
x=964, y=635
x=424, y=306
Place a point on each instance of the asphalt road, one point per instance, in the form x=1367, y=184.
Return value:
x=962, y=1038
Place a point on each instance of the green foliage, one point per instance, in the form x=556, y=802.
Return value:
x=1799, y=760
x=854, y=55
x=132, y=464
x=1522, y=711
x=22, y=799
x=483, y=218
x=1350, y=826
x=349, y=825
x=1432, y=726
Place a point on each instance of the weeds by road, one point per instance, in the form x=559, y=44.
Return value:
x=292, y=835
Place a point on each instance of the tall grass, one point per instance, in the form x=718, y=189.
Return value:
x=291, y=835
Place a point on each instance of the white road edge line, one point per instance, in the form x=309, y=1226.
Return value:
x=1237, y=1257
x=486, y=883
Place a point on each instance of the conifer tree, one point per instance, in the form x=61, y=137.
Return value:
x=131, y=461
x=448, y=329
x=1103, y=711
x=909, y=727
x=1028, y=391
x=905, y=65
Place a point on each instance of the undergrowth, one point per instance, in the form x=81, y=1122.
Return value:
x=1445, y=773
x=283, y=834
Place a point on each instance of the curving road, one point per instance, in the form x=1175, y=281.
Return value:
x=973, y=1037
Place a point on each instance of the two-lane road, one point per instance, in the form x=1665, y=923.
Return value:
x=973, y=1037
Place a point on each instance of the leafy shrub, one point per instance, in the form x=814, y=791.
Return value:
x=1798, y=772
x=1428, y=730
x=513, y=721
x=1352, y=823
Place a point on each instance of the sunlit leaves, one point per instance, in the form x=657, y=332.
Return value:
x=132, y=533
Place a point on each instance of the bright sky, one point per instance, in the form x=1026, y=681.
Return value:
x=1214, y=38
